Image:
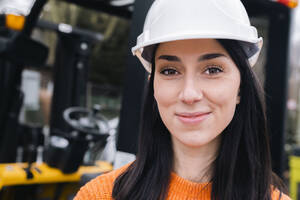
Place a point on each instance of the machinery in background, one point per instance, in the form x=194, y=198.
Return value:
x=277, y=13
x=73, y=128
x=63, y=172
x=17, y=50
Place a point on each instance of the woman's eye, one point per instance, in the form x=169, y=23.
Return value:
x=213, y=70
x=169, y=72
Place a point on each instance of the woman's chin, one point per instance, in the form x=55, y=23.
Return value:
x=194, y=140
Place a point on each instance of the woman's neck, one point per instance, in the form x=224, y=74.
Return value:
x=195, y=164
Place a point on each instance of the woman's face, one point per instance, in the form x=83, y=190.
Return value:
x=196, y=86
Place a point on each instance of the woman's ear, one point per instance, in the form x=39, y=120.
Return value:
x=149, y=75
x=238, y=99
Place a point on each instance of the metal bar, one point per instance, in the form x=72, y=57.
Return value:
x=276, y=73
x=276, y=81
x=134, y=86
x=105, y=7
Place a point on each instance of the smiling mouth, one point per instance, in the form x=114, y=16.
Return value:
x=192, y=118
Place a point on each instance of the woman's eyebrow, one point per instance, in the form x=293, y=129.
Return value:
x=169, y=58
x=210, y=56
x=201, y=58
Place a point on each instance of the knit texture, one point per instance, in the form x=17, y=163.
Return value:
x=101, y=188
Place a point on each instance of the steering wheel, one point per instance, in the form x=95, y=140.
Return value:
x=86, y=121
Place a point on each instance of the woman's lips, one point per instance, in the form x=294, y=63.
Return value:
x=192, y=118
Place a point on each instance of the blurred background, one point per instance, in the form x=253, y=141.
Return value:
x=71, y=91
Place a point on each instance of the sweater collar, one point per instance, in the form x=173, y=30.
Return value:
x=183, y=188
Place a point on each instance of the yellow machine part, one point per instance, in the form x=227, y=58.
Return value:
x=294, y=176
x=14, y=174
x=43, y=191
x=14, y=22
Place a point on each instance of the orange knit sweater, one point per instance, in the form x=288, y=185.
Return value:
x=101, y=187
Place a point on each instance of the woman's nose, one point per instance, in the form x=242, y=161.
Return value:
x=191, y=91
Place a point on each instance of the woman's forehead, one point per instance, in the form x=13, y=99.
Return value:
x=191, y=49
x=190, y=46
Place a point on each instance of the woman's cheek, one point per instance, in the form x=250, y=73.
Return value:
x=223, y=93
x=224, y=100
x=164, y=94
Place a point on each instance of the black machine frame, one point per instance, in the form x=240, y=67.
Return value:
x=10, y=73
x=276, y=75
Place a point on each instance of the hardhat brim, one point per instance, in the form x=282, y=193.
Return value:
x=144, y=50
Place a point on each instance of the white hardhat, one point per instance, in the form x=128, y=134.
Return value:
x=169, y=20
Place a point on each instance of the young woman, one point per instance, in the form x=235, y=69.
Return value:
x=203, y=132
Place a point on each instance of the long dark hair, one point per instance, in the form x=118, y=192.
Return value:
x=242, y=169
